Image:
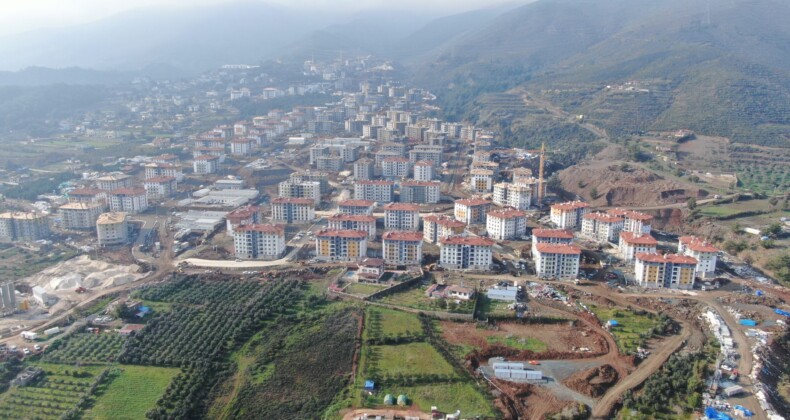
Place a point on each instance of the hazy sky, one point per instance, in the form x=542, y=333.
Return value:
x=23, y=15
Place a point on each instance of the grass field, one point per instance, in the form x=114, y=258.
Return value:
x=632, y=328
x=16, y=262
x=410, y=359
x=132, y=394
x=415, y=298
x=446, y=397
x=493, y=307
x=527, y=343
x=389, y=322
x=363, y=289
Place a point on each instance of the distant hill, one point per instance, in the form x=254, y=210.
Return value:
x=190, y=40
x=718, y=66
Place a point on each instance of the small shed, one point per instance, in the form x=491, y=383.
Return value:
x=369, y=385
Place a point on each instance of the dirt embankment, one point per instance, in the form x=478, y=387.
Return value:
x=527, y=401
x=593, y=382
x=616, y=184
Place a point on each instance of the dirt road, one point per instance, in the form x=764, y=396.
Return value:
x=387, y=414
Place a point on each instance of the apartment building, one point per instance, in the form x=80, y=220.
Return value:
x=402, y=216
x=341, y=245
x=378, y=191
x=423, y=170
x=356, y=207
x=259, y=241
x=322, y=178
x=304, y=189
x=245, y=215
x=363, y=222
x=507, y=223
x=87, y=195
x=23, y=226
x=240, y=146
x=550, y=236
x=421, y=192
x=114, y=182
x=112, y=229
x=395, y=168
x=80, y=215
x=481, y=180
x=435, y=227
x=569, y=215
x=699, y=249
x=160, y=188
x=364, y=169
x=332, y=163
x=631, y=244
x=633, y=221
x=669, y=271
x=471, y=211
x=557, y=261
x=129, y=200
x=293, y=210
x=402, y=247
x=206, y=164
x=465, y=253
x=160, y=169
x=428, y=153
x=512, y=195
x=602, y=227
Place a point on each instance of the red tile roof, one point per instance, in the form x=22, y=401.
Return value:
x=207, y=157
x=467, y=240
x=630, y=214
x=401, y=206
x=570, y=205
x=638, y=239
x=128, y=191
x=423, y=163
x=552, y=233
x=444, y=221
x=402, y=235
x=358, y=234
x=373, y=182
x=242, y=213
x=506, y=213
x=355, y=203
x=160, y=179
x=420, y=184
x=86, y=192
x=603, y=217
x=472, y=202
x=665, y=258
x=352, y=218
x=697, y=244
x=292, y=200
x=558, y=249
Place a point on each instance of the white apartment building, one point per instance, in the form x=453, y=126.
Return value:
x=550, y=236
x=293, y=210
x=634, y=243
x=356, y=207
x=427, y=153
x=87, y=195
x=112, y=229
x=435, y=227
x=465, y=253
x=512, y=195
x=569, y=215
x=471, y=211
x=363, y=222
x=304, y=189
x=240, y=147
x=256, y=241
x=481, y=180
x=160, y=188
x=633, y=221
x=506, y=224
x=23, y=226
x=128, y=200
x=245, y=215
x=395, y=167
x=364, y=169
x=80, y=215
x=160, y=169
x=206, y=164
x=602, y=227
x=114, y=182
x=378, y=191
x=421, y=192
x=557, y=261
x=665, y=271
x=332, y=163
x=402, y=216
x=402, y=248
x=705, y=254
x=423, y=170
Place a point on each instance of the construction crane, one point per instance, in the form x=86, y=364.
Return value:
x=542, y=153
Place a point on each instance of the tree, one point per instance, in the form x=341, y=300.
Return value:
x=773, y=230
x=594, y=193
x=691, y=203
x=773, y=201
x=749, y=259
x=122, y=311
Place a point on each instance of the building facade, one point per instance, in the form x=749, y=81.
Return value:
x=356, y=207
x=378, y=191
x=259, y=241
x=631, y=244
x=341, y=245
x=304, y=189
x=550, y=236
x=128, y=200
x=602, y=227
x=665, y=271
x=293, y=210
x=402, y=216
x=423, y=171
x=402, y=248
x=435, y=227
x=80, y=215
x=363, y=222
x=569, y=215
x=471, y=211
x=160, y=188
x=557, y=261
x=421, y=192
x=206, y=164
x=112, y=229
x=699, y=249
x=465, y=253
x=245, y=215
x=506, y=224
x=23, y=226
x=512, y=195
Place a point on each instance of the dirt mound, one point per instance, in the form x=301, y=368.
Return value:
x=624, y=185
x=593, y=382
x=84, y=272
x=526, y=401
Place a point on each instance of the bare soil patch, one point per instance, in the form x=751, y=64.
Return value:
x=593, y=382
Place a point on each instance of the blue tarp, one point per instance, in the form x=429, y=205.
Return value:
x=613, y=323
x=781, y=312
x=745, y=410
x=712, y=414
x=759, y=293
x=748, y=322
x=370, y=384
x=145, y=309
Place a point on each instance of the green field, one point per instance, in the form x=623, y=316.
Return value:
x=389, y=322
x=633, y=328
x=415, y=298
x=410, y=359
x=16, y=262
x=496, y=308
x=446, y=397
x=86, y=348
x=132, y=393
x=529, y=343
x=718, y=211
x=363, y=289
